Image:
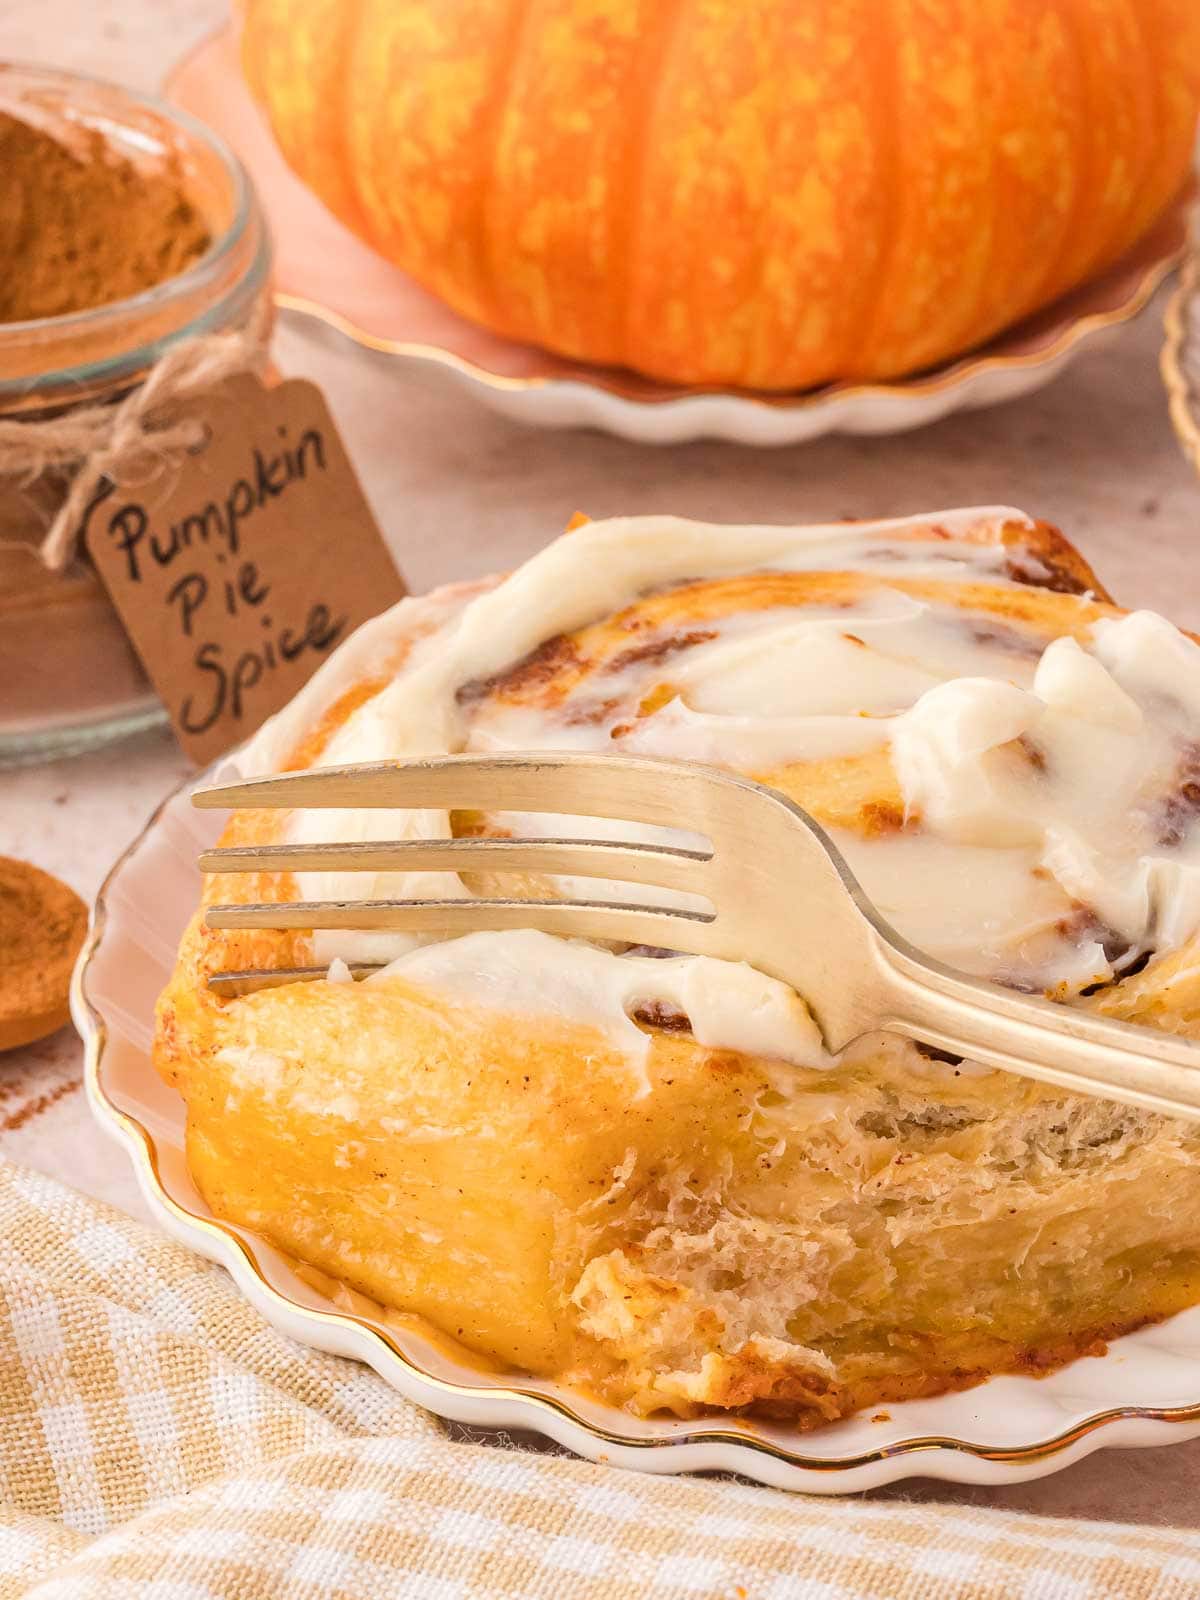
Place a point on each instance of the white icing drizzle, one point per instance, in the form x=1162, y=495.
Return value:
x=1110, y=730
x=1042, y=778
x=729, y=1004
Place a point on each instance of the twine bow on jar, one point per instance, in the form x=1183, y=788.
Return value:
x=132, y=439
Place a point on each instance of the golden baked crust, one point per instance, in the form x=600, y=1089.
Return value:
x=711, y=1229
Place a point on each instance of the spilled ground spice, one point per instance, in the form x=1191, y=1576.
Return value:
x=10, y=1121
x=85, y=226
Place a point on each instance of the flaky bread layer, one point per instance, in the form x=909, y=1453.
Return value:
x=701, y=1230
x=738, y=1235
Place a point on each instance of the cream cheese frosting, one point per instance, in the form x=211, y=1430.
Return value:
x=727, y=1003
x=1052, y=842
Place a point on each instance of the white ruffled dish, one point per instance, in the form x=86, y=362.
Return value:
x=323, y=273
x=1145, y=1391
x=1181, y=351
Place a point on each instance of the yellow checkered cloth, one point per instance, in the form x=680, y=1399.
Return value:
x=158, y=1441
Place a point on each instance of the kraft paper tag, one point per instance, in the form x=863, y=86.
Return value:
x=238, y=573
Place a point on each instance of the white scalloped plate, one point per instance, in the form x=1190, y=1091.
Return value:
x=323, y=272
x=1145, y=1391
x=1181, y=350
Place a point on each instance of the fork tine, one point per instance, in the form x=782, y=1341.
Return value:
x=638, y=788
x=589, y=919
x=664, y=865
x=252, y=978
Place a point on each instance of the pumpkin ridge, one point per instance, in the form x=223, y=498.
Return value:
x=348, y=44
x=1150, y=100
x=492, y=117
x=628, y=196
x=760, y=353
x=1157, y=126
x=1092, y=245
x=887, y=141
x=975, y=319
x=1047, y=288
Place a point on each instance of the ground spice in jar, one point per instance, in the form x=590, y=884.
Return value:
x=133, y=251
x=83, y=227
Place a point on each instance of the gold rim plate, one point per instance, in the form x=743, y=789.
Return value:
x=116, y=1038
x=1181, y=350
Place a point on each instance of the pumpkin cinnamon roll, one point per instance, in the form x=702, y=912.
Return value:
x=641, y=1172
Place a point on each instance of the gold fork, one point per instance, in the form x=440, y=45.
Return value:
x=780, y=896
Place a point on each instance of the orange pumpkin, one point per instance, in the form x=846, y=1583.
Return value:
x=769, y=193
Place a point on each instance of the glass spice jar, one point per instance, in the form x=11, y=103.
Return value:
x=69, y=678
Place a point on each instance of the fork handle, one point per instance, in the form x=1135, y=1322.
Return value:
x=1036, y=1038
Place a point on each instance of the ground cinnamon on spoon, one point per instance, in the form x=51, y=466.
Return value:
x=85, y=226
x=42, y=927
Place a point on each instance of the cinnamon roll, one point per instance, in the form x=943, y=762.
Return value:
x=640, y=1172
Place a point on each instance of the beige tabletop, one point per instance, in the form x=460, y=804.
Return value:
x=460, y=491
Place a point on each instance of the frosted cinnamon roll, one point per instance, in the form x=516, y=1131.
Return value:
x=641, y=1172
